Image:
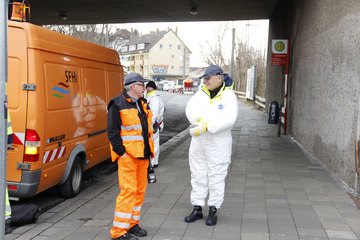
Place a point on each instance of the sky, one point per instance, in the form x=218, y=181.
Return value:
x=195, y=34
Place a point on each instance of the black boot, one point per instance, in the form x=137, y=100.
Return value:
x=195, y=215
x=212, y=218
x=8, y=226
x=137, y=231
x=126, y=236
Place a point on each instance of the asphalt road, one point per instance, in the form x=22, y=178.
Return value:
x=175, y=122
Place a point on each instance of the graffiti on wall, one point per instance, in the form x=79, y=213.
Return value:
x=160, y=69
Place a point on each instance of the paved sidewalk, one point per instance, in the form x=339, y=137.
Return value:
x=273, y=192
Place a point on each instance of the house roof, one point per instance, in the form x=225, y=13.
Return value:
x=152, y=38
x=122, y=33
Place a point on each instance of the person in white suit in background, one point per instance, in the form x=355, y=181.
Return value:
x=157, y=106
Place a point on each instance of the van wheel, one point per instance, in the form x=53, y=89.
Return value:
x=72, y=185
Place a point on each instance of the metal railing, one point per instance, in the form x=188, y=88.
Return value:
x=258, y=100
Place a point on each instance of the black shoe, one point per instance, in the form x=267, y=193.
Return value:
x=8, y=229
x=212, y=218
x=126, y=236
x=137, y=231
x=195, y=215
x=156, y=165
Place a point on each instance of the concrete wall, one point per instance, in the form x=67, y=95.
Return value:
x=275, y=74
x=323, y=110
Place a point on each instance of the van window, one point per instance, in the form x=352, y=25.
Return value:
x=62, y=86
x=94, y=87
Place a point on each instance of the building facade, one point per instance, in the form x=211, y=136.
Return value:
x=157, y=56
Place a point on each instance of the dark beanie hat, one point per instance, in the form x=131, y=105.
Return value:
x=151, y=84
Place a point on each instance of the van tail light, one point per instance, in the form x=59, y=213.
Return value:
x=12, y=187
x=32, y=146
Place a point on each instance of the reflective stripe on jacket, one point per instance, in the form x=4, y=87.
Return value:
x=130, y=127
x=9, y=131
x=7, y=206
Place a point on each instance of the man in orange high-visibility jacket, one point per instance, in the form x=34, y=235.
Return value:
x=130, y=133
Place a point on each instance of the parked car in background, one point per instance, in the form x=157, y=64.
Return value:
x=160, y=86
x=168, y=85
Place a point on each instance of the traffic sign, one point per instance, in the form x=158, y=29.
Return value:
x=279, y=51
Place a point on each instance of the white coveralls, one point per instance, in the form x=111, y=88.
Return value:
x=210, y=153
x=157, y=106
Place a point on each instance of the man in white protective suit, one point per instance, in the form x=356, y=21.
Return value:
x=212, y=113
x=157, y=106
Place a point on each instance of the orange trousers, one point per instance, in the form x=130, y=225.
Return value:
x=132, y=173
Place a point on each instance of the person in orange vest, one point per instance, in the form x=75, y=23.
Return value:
x=130, y=131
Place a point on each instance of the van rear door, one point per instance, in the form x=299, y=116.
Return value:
x=17, y=99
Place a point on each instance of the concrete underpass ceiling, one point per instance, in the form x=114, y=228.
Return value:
x=121, y=11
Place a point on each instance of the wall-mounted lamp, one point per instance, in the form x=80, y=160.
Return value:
x=62, y=16
x=193, y=10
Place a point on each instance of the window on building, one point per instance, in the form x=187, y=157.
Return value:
x=137, y=57
x=128, y=69
x=181, y=58
x=124, y=48
x=179, y=47
x=172, y=57
x=172, y=67
x=146, y=56
x=180, y=69
x=141, y=46
x=161, y=46
x=170, y=46
x=132, y=47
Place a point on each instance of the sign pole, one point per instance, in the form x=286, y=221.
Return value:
x=280, y=52
x=286, y=85
x=3, y=112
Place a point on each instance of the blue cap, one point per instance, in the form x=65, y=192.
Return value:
x=133, y=78
x=212, y=70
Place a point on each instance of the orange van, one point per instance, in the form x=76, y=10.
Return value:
x=58, y=90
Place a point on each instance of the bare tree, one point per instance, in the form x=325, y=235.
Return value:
x=247, y=56
x=94, y=33
x=213, y=52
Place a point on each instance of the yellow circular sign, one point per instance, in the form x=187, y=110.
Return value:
x=279, y=46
